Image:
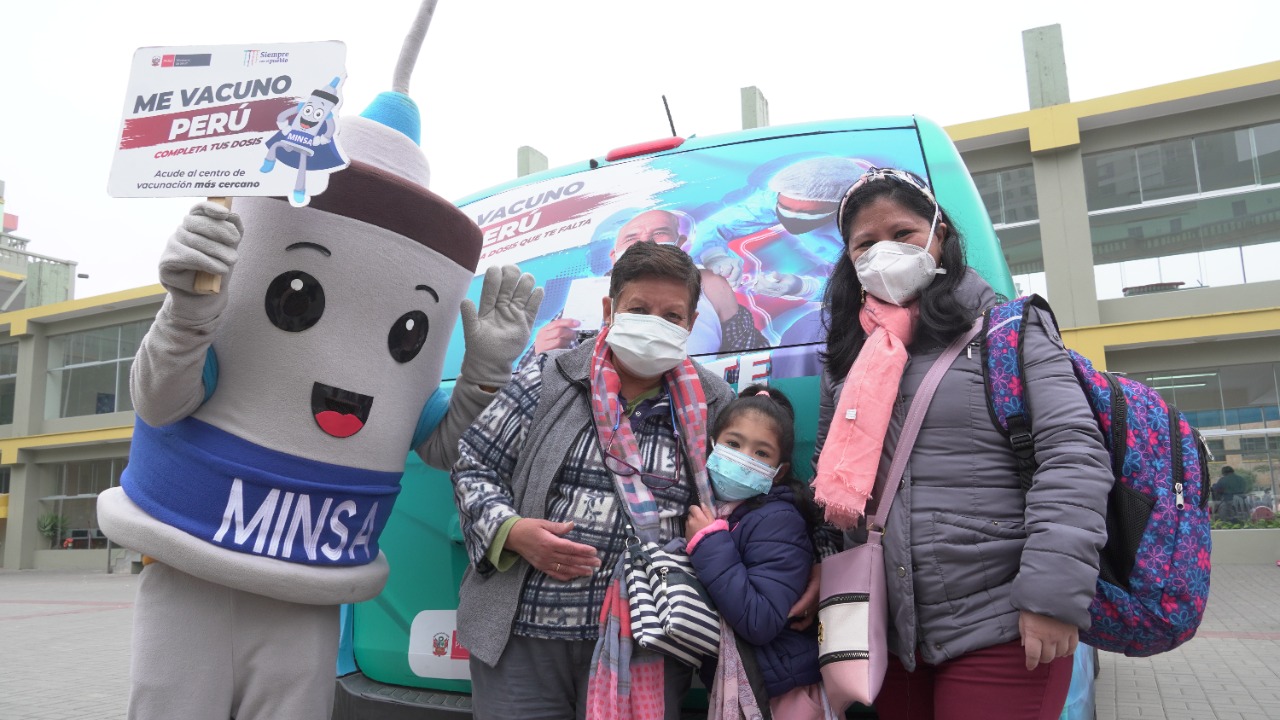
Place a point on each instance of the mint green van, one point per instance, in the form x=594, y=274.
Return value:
x=751, y=208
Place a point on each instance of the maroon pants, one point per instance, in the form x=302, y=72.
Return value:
x=988, y=684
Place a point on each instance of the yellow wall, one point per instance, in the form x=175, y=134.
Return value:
x=1093, y=341
x=1058, y=126
x=10, y=447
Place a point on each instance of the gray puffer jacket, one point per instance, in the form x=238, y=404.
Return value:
x=964, y=549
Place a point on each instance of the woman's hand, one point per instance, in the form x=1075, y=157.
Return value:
x=1045, y=639
x=806, y=608
x=699, y=518
x=543, y=544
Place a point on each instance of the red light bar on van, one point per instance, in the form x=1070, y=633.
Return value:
x=644, y=148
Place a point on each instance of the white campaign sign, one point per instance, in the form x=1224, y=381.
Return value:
x=231, y=120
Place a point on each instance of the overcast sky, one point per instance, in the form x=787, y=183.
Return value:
x=572, y=79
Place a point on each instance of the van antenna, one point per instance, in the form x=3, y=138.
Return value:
x=669, y=120
x=412, y=45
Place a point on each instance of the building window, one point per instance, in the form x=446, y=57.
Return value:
x=1266, y=148
x=1225, y=160
x=1236, y=407
x=1010, y=195
x=4, y=480
x=89, y=371
x=8, y=381
x=1166, y=170
x=1111, y=179
x=76, y=486
x=1011, y=201
x=1253, y=444
x=1201, y=242
x=1192, y=212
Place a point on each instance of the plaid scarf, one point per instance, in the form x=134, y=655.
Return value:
x=851, y=456
x=627, y=683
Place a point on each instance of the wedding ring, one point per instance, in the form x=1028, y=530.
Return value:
x=557, y=568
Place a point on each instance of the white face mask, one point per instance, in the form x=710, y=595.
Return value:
x=647, y=345
x=897, y=272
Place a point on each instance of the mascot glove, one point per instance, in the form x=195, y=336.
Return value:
x=498, y=330
x=205, y=242
x=722, y=263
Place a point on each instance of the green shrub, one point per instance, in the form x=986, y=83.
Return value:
x=52, y=526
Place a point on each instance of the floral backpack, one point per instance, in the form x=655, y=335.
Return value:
x=1154, y=570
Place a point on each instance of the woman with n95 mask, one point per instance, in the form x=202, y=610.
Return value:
x=987, y=586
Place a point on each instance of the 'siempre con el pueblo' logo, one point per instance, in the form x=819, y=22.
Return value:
x=264, y=57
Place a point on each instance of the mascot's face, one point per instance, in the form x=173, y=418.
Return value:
x=334, y=335
x=314, y=111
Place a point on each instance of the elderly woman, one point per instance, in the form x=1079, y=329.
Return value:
x=988, y=586
x=540, y=485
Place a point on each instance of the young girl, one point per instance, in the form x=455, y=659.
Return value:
x=755, y=559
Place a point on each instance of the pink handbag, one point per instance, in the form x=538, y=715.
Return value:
x=853, y=607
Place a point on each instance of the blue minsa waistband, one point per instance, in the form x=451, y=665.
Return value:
x=244, y=497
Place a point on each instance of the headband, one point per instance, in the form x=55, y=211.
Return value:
x=873, y=174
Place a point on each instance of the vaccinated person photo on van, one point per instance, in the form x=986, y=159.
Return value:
x=987, y=586
x=753, y=557
x=795, y=209
x=723, y=325
x=541, y=482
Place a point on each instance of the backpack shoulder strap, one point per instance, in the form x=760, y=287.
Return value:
x=1003, y=329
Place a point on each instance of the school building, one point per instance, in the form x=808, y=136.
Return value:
x=1149, y=219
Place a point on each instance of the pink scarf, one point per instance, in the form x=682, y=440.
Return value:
x=851, y=456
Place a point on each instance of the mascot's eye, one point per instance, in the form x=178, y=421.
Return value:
x=295, y=301
x=407, y=336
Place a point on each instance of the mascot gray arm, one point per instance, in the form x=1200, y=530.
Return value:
x=496, y=333
x=166, y=382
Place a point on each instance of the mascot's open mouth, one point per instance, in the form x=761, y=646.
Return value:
x=306, y=124
x=340, y=413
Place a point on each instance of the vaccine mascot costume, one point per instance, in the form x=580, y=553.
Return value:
x=275, y=417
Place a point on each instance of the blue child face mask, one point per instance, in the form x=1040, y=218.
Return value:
x=737, y=476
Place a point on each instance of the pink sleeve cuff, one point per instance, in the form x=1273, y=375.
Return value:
x=715, y=526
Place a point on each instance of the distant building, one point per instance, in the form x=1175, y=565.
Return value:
x=26, y=278
x=1151, y=221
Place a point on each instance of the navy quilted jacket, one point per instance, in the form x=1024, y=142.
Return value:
x=755, y=572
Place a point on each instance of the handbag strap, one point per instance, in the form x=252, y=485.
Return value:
x=911, y=427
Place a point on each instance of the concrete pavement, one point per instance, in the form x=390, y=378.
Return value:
x=64, y=644
x=64, y=652
x=1229, y=671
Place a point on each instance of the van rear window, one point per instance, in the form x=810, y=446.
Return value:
x=757, y=216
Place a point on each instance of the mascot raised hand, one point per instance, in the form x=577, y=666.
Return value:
x=275, y=417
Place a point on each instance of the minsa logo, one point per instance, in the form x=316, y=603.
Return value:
x=264, y=57
x=201, y=60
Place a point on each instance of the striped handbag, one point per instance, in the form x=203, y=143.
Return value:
x=670, y=610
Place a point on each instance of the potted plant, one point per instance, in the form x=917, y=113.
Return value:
x=52, y=526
